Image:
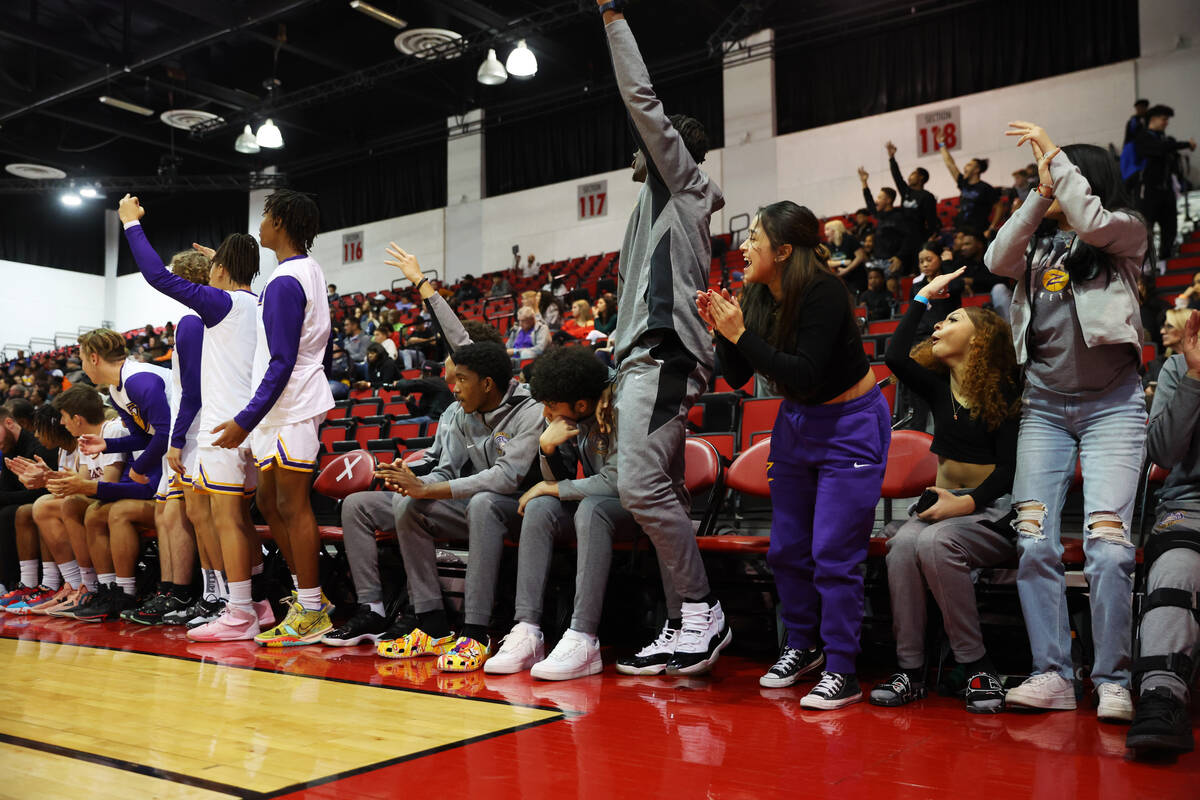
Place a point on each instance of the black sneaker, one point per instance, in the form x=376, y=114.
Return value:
x=109, y=604
x=84, y=600
x=898, y=691
x=793, y=665
x=701, y=639
x=985, y=693
x=1160, y=723
x=183, y=615
x=651, y=659
x=834, y=690
x=206, y=612
x=149, y=612
x=364, y=626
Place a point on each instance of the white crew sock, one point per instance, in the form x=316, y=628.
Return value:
x=257, y=569
x=376, y=607
x=239, y=597
x=70, y=573
x=295, y=582
x=87, y=576
x=106, y=578
x=528, y=627
x=51, y=577
x=29, y=572
x=128, y=585
x=310, y=598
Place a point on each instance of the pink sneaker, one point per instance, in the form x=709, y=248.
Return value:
x=266, y=617
x=232, y=626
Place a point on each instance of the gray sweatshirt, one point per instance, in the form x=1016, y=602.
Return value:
x=596, y=451
x=667, y=251
x=1108, y=311
x=1173, y=436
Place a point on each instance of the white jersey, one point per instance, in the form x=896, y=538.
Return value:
x=112, y=429
x=307, y=392
x=227, y=364
x=68, y=461
x=121, y=396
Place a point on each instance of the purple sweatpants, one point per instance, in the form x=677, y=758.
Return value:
x=826, y=472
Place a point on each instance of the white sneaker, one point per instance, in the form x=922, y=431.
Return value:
x=703, y=636
x=520, y=650
x=575, y=656
x=651, y=659
x=1048, y=691
x=1116, y=704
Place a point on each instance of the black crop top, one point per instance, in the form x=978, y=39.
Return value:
x=826, y=359
x=964, y=439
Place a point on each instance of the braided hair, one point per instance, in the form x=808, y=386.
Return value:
x=297, y=214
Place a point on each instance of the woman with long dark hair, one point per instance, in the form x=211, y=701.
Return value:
x=1078, y=333
x=796, y=327
x=606, y=313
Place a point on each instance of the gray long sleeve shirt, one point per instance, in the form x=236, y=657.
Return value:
x=595, y=451
x=1173, y=436
x=667, y=251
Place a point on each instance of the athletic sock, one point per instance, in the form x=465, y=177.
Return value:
x=70, y=573
x=239, y=597
x=87, y=576
x=128, y=585
x=165, y=587
x=310, y=599
x=208, y=585
x=257, y=569
x=106, y=578
x=376, y=607
x=434, y=623
x=295, y=582
x=29, y=572
x=529, y=627
x=51, y=577
x=182, y=592
x=222, y=585
x=477, y=632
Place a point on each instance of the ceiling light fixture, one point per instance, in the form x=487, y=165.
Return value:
x=70, y=199
x=378, y=13
x=521, y=61
x=90, y=192
x=124, y=106
x=269, y=135
x=246, y=143
x=491, y=71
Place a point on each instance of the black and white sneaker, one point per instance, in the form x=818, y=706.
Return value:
x=834, y=690
x=651, y=659
x=793, y=665
x=206, y=612
x=1161, y=724
x=701, y=639
x=364, y=626
x=985, y=693
x=899, y=690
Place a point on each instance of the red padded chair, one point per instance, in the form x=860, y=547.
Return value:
x=758, y=416
x=703, y=471
x=911, y=467
x=748, y=475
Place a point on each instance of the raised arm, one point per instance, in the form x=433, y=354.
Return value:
x=444, y=317
x=667, y=159
x=868, y=201
x=901, y=185
x=939, y=141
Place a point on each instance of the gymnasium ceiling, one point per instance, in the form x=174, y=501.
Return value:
x=343, y=89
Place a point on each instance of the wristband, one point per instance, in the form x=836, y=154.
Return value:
x=920, y=298
x=612, y=5
x=422, y=283
x=1048, y=188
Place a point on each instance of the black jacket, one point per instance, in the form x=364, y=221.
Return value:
x=12, y=492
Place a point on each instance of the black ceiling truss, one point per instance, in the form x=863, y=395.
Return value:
x=241, y=181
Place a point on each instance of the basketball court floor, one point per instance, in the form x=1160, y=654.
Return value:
x=123, y=711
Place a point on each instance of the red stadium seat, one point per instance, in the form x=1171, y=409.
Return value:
x=758, y=416
x=722, y=385
x=398, y=409
x=337, y=412
x=724, y=442
x=748, y=472
x=911, y=467
x=366, y=408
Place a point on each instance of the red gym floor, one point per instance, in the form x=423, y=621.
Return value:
x=616, y=736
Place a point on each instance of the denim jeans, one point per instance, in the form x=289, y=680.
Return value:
x=1107, y=432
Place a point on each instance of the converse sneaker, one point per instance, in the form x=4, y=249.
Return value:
x=834, y=690
x=1115, y=703
x=364, y=626
x=1162, y=723
x=793, y=665
x=651, y=659
x=1047, y=691
x=900, y=690
x=701, y=639
x=523, y=647
x=984, y=693
x=576, y=655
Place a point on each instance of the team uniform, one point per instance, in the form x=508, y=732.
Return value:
x=142, y=398
x=185, y=405
x=94, y=465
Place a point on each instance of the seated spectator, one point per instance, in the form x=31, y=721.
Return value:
x=1190, y=297
x=381, y=368
x=423, y=337
x=878, y=300
x=331, y=293
x=606, y=313
x=937, y=309
x=968, y=376
x=383, y=336
x=1171, y=332
x=354, y=340
x=862, y=224
x=581, y=322
x=846, y=256
x=914, y=197
x=340, y=373
x=1152, y=307
x=16, y=441
x=500, y=287
x=551, y=310
x=977, y=202
x=969, y=246
x=74, y=372
x=427, y=396
x=898, y=230
x=557, y=286
x=529, y=337
x=467, y=291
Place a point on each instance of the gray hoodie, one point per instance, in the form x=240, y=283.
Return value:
x=1173, y=436
x=595, y=451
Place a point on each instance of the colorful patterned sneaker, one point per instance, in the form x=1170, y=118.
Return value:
x=40, y=596
x=326, y=606
x=299, y=627
x=57, y=600
x=69, y=604
x=233, y=625
x=415, y=644
x=85, y=600
x=467, y=655
x=15, y=595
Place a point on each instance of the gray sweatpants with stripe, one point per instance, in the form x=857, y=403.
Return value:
x=657, y=383
x=596, y=523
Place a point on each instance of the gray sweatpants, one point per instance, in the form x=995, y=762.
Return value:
x=1168, y=629
x=596, y=523
x=657, y=383
x=941, y=555
x=482, y=521
x=363, y=514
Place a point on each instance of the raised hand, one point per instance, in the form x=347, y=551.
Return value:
x=91, y=445
x=406, y=262
x=937, y=287
x=1189, y=344
x=557, y=432
x=129, y=209
x=208, y=251
x=1030, y=132
x=863, y=175
x=891, y=150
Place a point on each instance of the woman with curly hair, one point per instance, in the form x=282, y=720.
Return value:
x=967, y=373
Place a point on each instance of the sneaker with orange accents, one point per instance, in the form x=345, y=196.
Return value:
x=56, y=600
x=415, y=644
x=468, y=655
x=40, y=596
x=16, y=595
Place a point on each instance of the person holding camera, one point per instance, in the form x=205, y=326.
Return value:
x=967, y=373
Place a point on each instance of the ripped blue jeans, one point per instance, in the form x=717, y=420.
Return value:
x=1107, y=432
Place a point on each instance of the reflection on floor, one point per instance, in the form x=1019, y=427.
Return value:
x=83, y=712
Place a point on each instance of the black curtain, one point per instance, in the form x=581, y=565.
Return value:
x=380, y=187
x=174, y=221
x=39, y=229
x=858, y=73
x=590, y=135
